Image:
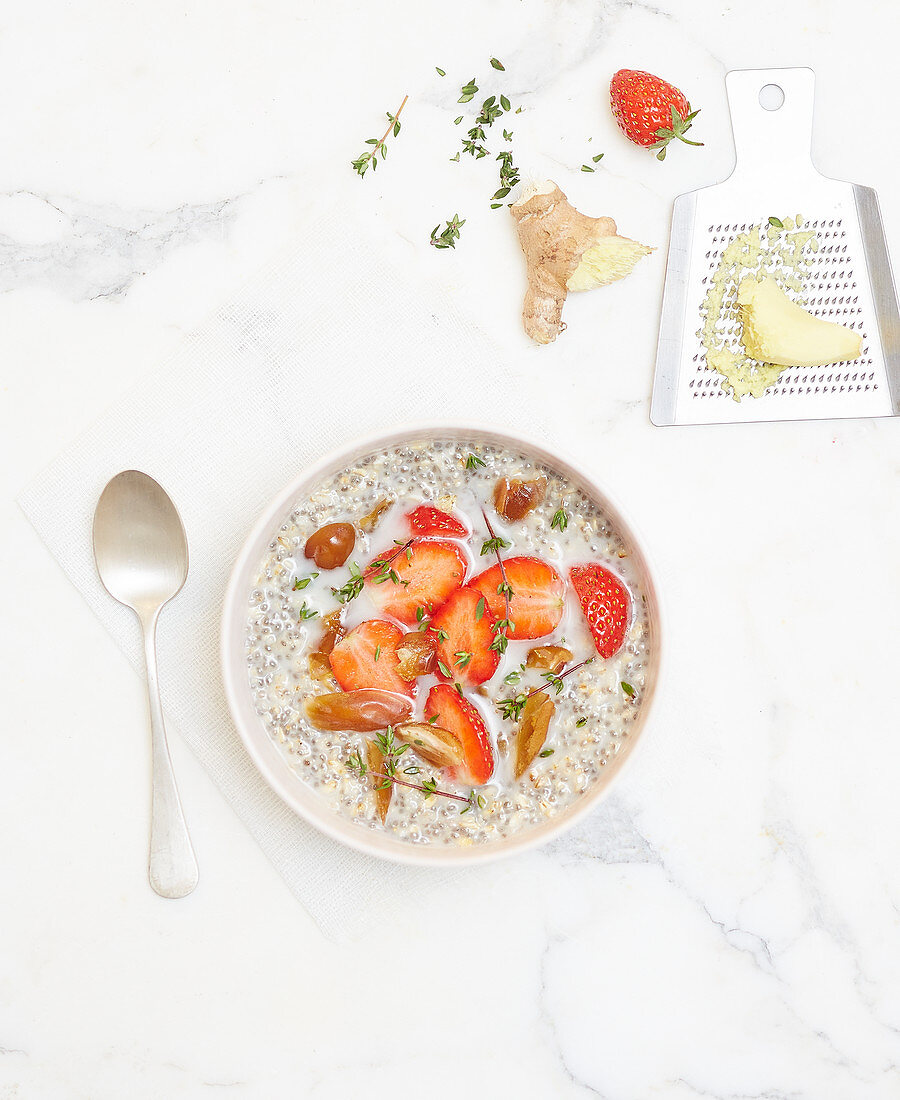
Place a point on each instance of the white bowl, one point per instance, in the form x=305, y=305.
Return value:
x=270, y=760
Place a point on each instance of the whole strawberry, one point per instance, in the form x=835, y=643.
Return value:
x=649, y=110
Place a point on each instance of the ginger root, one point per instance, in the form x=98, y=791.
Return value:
x=565, y=250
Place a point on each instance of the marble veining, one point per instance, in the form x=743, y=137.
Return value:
x=84, y=250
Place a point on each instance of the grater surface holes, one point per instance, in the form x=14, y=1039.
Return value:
x=830, y=293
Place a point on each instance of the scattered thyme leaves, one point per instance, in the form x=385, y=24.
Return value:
x=546, y=752
x=627, y=688
x=468, y=91
x=498, y=65
x=473, y=462
x=475, y=138
x=439, y=71
x=475, y=800
x=581, y=722
x=303, y=582
x=776, y=223
x=560, y=520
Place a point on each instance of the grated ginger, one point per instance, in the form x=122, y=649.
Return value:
x=779, y=254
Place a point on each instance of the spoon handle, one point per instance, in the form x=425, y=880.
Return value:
x=173, y=865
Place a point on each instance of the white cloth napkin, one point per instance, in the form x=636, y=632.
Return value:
x=325, y=345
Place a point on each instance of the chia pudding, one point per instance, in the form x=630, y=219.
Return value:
x=491, y=733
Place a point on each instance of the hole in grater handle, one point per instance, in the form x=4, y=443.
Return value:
x=771, y=97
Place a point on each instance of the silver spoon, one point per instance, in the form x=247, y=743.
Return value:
x=142, y=558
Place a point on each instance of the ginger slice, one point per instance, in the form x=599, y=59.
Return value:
x=777, y=330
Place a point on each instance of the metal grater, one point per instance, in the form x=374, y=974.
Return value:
x=849, y=279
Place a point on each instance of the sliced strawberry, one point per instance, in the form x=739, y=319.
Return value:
x=605, y=603
x=464, y=628
x=538, y=595
x=452, y=712
x=428, y=520
x=422, y=575
x=367, y=658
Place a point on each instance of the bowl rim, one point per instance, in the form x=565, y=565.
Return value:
x=271, y=762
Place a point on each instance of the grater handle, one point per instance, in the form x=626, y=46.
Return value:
x=772, y=142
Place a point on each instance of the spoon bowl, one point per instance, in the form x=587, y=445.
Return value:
x=139, y=542
x=142, y=557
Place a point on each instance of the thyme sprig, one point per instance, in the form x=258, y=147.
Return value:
x=502, y=627
x=512, y=708
x=392, y=751
x=380, y=570
x=509, y=176
x=448, y=237
x=369, y=159
x=352, y=588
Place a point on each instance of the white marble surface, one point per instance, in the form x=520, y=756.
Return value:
x=727, y=924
